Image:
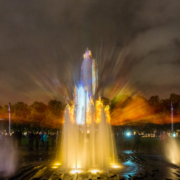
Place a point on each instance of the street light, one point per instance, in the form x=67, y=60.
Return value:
x=172, y=118
x=9, y=118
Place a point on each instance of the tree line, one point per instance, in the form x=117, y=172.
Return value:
x=139, y=110
x=35, y=115
x=125, y=110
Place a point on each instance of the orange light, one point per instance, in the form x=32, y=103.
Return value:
x=108, y=116
x=71, y=112
x=99, y=105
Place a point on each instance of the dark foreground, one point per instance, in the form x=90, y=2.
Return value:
x=39, y=166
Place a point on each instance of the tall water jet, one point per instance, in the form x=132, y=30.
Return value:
x=87, y=138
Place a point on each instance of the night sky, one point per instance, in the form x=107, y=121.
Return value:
x=136, y=44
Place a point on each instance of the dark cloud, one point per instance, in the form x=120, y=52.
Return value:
x=135, y=43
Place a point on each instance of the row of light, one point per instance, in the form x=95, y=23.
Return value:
x=129, y=134
x=93, y=171
x=74, y=171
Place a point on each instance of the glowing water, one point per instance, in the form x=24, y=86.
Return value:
x=171, y=148
x=87, y=138
x=87, y=146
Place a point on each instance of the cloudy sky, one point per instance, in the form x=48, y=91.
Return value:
x=135, y=43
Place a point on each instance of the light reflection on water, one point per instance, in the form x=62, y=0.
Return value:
x=128, y=152
x=131, y=168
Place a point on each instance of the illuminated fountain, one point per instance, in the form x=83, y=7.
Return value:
x=87, y=140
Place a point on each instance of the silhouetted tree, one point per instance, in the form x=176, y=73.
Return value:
x=37, y=115
x=20, y=111
x=165, y=105
x=154, y=100
x=175, y=100
x=55, y=107
x=141, y=97
x=178, y=109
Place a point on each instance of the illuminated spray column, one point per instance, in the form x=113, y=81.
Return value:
x=86, y=72
x=87, y=140
x=85, y=93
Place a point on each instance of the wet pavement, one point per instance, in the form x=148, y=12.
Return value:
x=133, y=166
x=142, y=166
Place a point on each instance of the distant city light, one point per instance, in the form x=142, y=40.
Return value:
x=174, y=135
x=128, y=133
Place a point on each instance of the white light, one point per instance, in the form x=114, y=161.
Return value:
x=94, y=171
x=54, y=167
x=174, y=135
x=80, y=103
x=116, y=166
x=128, y=134
x=75, y=171
x=57, y=164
